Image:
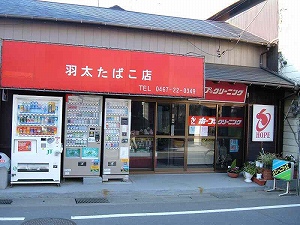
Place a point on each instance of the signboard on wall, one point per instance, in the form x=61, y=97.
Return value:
x=225, y=92
x=75, y=68
x=263, y=123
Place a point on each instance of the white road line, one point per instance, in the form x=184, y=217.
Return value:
x=11, y=218
x=182, y=212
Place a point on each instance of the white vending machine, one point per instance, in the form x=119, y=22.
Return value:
x=82, y=146
x=36, y=139
x=116, y=139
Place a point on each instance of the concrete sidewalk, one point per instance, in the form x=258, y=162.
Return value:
x=138, y=184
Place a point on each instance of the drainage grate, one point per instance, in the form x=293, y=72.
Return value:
x=226, y=195
x=48, y=221
x=91, y=200
x=6, y=201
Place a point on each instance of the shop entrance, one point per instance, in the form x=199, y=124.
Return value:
x=183, y=136
x=215, y=136
x=170, y=136
x=201, y=136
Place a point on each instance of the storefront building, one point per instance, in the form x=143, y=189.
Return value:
x=190, y=111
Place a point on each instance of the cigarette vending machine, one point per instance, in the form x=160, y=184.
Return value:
x=36, y=139
x=82, y=136
x=116, y=139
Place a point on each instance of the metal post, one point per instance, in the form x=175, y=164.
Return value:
x=275, y=188
x=297, y=176
x=287, y=189
x=298, y=166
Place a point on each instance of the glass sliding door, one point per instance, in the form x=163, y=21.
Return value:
x=230, y=136
x=170, y=143
x=142, y=135
x=170, y=153
x=201, y=141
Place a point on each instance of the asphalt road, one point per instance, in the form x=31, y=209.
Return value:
x=220, y=208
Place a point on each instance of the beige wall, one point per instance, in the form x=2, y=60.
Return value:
x=290, y=131
x=242, y=54
x=265, y=25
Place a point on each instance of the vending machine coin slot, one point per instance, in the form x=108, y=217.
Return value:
x=124, y=121
x=97, y=136
x=81, y=163
x=112, y=163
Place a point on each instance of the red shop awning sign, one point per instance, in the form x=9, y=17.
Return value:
x=75, y=68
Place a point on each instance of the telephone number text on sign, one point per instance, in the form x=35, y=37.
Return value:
x=175, y=90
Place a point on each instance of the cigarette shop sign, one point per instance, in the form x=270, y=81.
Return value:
x=75, y=68
x=263, y=123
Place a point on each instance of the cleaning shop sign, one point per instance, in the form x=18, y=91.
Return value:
x=263, y=123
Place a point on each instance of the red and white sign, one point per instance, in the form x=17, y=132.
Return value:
x=75, y=68
x=225, y=92
x=263, y=123
x=24, y=146
x=210, y=121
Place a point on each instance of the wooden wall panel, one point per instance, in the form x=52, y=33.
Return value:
x=153, y=42
x=45, y=34
x=138, y=41
x=146, y=40
x=17, y=32
x=243, y=54
x=62, y=35
x=88, y=37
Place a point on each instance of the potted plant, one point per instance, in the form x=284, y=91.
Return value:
x=292, y=159
x=249, y=170
x=233, y=170
x=259, y=173
x=267, y=159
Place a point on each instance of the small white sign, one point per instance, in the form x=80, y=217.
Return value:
x=263, y=123
x=204, y=131
x=124, y=152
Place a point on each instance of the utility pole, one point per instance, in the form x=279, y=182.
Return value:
x=298, y=156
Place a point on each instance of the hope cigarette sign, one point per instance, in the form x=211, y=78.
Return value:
x=263, y=123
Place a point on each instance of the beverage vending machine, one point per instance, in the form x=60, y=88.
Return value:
x=116, y=139
x=82, y=143
x=36, y=139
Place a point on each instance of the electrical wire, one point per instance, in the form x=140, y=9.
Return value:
x=244, y=30
x=189, y=53
x=239, y=35
x=239, y=3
